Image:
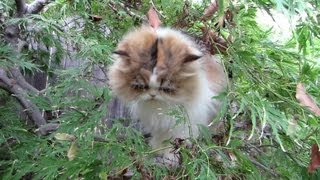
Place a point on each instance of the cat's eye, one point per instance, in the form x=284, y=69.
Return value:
x=166, y=89
x=140, y=86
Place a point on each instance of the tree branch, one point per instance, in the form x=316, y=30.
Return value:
x=16, y=84
x=36, y=6
x=47, y=128
x=3, y=86
x=21, y=7
x=16, y=74
x=11, y=86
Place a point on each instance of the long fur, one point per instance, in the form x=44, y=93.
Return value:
x=157, y=70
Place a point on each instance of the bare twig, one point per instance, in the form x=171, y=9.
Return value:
x=155, y=8
x=264, y=167
x=269, y=13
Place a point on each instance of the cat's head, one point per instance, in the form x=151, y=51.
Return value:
x=155, y=65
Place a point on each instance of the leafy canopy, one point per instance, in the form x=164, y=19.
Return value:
x=268, y=134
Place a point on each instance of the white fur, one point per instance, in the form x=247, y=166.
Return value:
x=153, y=111
x=153, y=80
x=154, y=117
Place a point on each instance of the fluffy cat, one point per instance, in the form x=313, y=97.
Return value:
x=156, y=70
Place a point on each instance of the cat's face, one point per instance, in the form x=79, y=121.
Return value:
x=155, y=65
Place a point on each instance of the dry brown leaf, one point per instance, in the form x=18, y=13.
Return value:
x=306, y=100
x=213, y=41
x=210, y=10
x=95, y=18
x=64, y=137
x=72, y=151
x=233, y=158
x=153, y=18
x=315, y=159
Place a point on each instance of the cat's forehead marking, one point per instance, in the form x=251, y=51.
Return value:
x=153, y=83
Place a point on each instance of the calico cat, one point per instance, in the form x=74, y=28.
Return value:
x=156, y=70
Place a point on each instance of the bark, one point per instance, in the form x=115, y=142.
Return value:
x=21, y=7
x=15, y=72
x=116, y=110
x=11, y=86
x=47, y=128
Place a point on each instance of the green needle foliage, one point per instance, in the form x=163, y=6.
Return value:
x=266, y=133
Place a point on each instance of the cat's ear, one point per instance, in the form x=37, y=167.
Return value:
x=191, y=58
x=121, y=53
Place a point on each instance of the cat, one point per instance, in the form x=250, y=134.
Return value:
x=156, y=70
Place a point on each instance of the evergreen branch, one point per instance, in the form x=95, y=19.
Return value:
x=16, y=85
x=112, y=5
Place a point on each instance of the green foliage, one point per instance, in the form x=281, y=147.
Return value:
x=259, y=106
x=8, y=58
